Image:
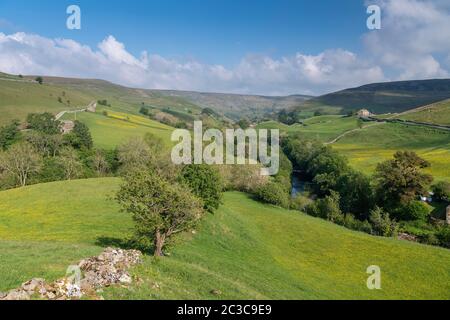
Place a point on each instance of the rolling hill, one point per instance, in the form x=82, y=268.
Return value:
x=245, y=250
x=436, y=113
x=22, y=95
x=367, y=147
x=235, y=106
x=389, y=97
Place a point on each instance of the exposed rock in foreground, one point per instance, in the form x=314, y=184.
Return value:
x=109, y=268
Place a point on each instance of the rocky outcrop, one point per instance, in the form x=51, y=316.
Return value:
x=109, y=268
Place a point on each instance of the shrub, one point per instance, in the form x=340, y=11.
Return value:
x=382, y=224
x=242, y=178
x=300, y=202
x=273, y=193
x=9, y=134
x=443, y=235
x=415, y=210
x=327, y=208
x=351, y=222
x=204, y=182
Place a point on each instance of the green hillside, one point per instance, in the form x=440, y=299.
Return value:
x=19, y=98
x=45, y=228
x=366, y=148
x=117, y=128
x=245, y=250
x=437, y=113
x=322, y=128
x=389, y=97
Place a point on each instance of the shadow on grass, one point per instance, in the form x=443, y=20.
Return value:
x=126, y=244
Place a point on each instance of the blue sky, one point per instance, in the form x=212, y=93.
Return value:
x=215, y=31
x=249, y=46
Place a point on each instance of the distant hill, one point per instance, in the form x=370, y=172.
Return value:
x=389, y=97
x=20, y=95
x=232, y=106
x=236, y=106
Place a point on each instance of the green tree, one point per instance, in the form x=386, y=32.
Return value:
x=382, y=224
x=83, y=134
x=414, y=210
x=326, y=168
x=244, y=124
x=204, y=182
x=9, y=134
x=327, y=208
x=44, y=123
x=39, y=80
x=159, y=208
x=357, y=194
x=401, y=180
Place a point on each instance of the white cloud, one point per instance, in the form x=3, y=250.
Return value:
x=331, y=70
x=412, y=44
x=414, y=34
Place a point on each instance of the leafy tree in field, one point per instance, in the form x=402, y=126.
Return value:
x=301, y=151
x=9, y=134
x=288, y=118
x=204, y=182
x=81, y=131
x=209, y=112
x=442, y=191
x=144, y=110
x=326, y=168
x=357, y=194
x=20, y=161
x=44, y=123
x=401, y=180
x=382, y=224
x=159, y=208
x=244, y=124
x=39, y=80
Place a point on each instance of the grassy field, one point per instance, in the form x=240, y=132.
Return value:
x=116, y=128
x=322, y=128
x=45, y=228
x=438, y=113
x=19, y=98
x=245, y=250
x=249, y=250
x=366, y=148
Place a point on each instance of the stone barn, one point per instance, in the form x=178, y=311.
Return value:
x=67, y=126
x=364, y=113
